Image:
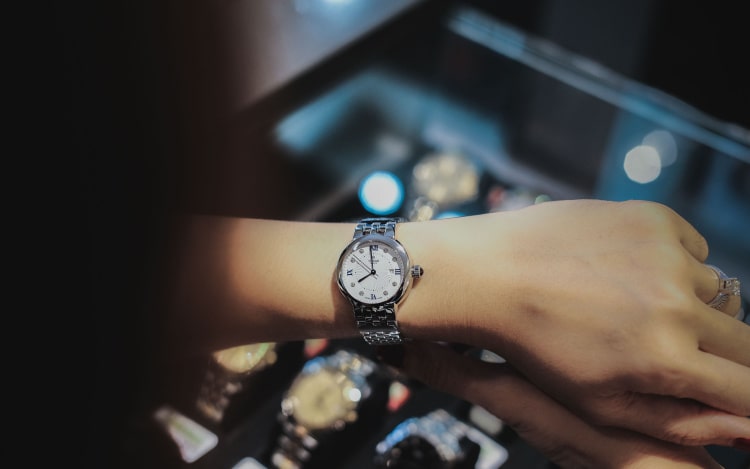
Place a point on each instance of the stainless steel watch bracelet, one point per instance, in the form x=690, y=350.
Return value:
x=384, y=226
x=378, y=324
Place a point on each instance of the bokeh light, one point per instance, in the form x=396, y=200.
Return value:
x=449, y=214
x=665, y=145
x=381, y=193
x=642, y=164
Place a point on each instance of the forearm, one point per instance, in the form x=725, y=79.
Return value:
x=597, y=303
x=240, y=280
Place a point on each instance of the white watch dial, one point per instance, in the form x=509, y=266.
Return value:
x=373, y=272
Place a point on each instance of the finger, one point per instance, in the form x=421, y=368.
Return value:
x=722, y=335
x=742, y=312
x=720, y=383
x=538, y=419
x=706, y=281
x=694, y=242
x=680, y=421
x=733, y=308
x=675, y=457
x=442, y=368
x=709, y=281
x=690, y=238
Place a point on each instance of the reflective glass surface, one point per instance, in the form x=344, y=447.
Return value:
x=535, y=121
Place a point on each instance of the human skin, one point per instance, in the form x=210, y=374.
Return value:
x=601, y=305
x=565, y=438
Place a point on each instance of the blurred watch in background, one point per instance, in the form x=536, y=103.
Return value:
x=229, y=372
x=441, y=181
x=437, y=440
x=503, y=199
x=330, y=394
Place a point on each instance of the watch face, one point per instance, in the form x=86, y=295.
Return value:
x=373, y=270
x=323, y=399
x=244, y=358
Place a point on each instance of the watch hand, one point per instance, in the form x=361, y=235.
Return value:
x=361, y=262
x=372, y=261
x=372, y=272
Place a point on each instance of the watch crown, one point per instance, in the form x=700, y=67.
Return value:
x=417, y=271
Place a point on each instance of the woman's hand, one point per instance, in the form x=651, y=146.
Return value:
x=560, y=435
x=602, y=305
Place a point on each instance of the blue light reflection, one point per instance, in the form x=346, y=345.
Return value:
x=381, y=193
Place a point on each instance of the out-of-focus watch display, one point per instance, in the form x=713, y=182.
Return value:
x=440, y=181
x=325, y=398
x=227, y=374
x=437, y=440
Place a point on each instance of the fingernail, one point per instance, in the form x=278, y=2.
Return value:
x=741, y=443
x=391, y=355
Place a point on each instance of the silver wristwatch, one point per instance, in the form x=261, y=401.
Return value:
x=375, y=273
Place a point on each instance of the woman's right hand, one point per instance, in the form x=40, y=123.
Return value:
x=559, y=434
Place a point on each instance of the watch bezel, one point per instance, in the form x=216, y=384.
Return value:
x=394, y=244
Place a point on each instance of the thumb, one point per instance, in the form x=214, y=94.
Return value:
x=496, y=386
x=442, y=368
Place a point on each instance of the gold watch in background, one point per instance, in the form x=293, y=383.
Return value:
x=325, y=399
x=441, y=181
x=227, y=374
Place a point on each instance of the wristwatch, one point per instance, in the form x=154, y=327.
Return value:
x=442, y=180
x=437, y=440
x=227, y=374
x=328, y=396
x=375, y=273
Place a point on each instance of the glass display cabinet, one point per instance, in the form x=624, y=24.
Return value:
x=460, y=115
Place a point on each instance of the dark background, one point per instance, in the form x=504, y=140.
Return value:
x=139, y=126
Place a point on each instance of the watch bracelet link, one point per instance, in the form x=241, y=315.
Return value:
x=377, y=324
x=292, y=453
x=220, y=385
x=216, y=391
x=384, y=226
